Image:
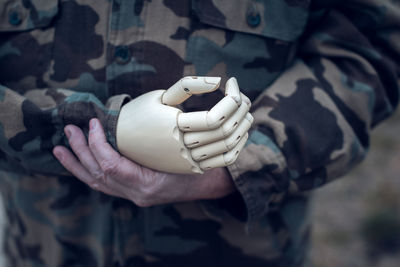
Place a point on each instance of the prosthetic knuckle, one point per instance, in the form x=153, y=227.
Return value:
x=233, y=154
x=228, y=128
x=231, y=157
x=214, y=162
x=214, y=120
x=221, y=111
x=232, y=141
x=190, y=141
x=198, y=156
x=193, y=121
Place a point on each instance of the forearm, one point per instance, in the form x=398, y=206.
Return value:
x=215, y=183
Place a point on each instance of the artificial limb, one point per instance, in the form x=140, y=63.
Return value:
x=153, y=132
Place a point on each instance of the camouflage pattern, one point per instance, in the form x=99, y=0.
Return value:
x=320, y=74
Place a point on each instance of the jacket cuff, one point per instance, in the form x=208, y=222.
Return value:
x=261, y=177
x=114, y=105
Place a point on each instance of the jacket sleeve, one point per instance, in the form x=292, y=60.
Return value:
x=33, y=123
x=312, y=124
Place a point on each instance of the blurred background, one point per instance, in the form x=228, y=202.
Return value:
x=356, y=219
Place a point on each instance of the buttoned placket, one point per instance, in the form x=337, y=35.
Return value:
x=119, y=58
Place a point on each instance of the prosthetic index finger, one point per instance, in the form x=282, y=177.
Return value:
x=187, y=86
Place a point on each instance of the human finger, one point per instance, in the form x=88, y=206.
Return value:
x=221, y=146
x=105, y=155
x=71, y=163
x=79, y=146
x=118, y=170
x=188, y=86
x=224, y=159
x=196, y=139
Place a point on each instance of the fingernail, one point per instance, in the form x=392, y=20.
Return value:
x=68, y=132
x=93, y=125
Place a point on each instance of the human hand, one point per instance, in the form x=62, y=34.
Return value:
x=102, y=168
x=154, y=133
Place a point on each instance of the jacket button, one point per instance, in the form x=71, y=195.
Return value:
x=122, y=54
x=253, y=19
x=14, y=18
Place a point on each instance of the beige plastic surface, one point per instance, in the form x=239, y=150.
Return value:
x=187, y=86
x=153, y=133
x=148, y=134
x=195, y=139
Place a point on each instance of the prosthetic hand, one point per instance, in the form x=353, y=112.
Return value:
x=154, y=133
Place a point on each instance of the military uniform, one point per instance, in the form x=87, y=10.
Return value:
x=320, y=74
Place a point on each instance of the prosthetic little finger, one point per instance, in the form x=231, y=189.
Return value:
x=226, y=158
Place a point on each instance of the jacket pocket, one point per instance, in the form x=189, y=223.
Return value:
x=26, y=42
x=252, y=40
x=23, y=15
x=278, y=19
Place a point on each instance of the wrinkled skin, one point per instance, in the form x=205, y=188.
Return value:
x=104, y=169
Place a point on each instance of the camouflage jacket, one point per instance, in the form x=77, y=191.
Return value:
x=320, y=74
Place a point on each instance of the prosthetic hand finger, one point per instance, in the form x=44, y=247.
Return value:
x=232, y=90
x=196, y=139
x=222, y=146
x=187, y=86
x=225, y=159
x=209, y=120
x=249, y=117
